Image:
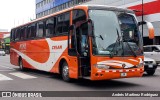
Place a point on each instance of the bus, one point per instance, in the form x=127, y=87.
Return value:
x=93, y=42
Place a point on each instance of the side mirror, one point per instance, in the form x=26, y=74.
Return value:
x=150, y=28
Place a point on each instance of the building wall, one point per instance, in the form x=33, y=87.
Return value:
x=45, y=7
x=2, y=34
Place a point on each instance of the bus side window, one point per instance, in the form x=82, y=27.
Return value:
x=12, y=35
x=79, y=17
x=50, y=27
x=17, y=34
x=22, y=34
x=31, y=31
x=59, y=25
x=66, y=23
x=40, y=29
x=25, y=32
x=63, y=23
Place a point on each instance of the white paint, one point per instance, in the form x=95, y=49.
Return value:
x=53, y=57
x=3, y=77
x=150, y=17
x=114, y=71
x=137, y=3
x=99, y=71
x=133, y=60
x=7, y=67
x=116, y=63
x=107, y=71
x=127, y=70
x=22, y=75
x=120, y=70
x=5, y=70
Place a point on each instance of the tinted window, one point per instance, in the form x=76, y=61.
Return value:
x=66, y=22
x=79, y=17
x=12, y=35
x=50, y=25
x=25, y=32
x=17, y=34
x=63, y=22
x=154, y=48
x=22, y=34
x=147, y=49
x=40, y=29
x=59, y=25
x=31, y=31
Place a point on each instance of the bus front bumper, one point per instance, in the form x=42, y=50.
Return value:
x=115, y=74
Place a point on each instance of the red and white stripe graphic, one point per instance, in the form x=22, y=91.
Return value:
x=151, y=9
x=121, y=70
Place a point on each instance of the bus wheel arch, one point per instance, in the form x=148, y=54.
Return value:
x=64, y=70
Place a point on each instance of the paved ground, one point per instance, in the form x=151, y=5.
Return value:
x=11, y=79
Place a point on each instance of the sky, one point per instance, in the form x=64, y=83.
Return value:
x=16, y=12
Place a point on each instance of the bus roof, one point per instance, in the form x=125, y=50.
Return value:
x=90, y=6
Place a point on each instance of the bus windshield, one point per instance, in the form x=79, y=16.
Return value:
x=115, y=33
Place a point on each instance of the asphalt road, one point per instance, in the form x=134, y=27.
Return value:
x=12, y=79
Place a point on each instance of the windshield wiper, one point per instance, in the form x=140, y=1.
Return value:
x=118, y=40
x=131, y=49
x=100, y=36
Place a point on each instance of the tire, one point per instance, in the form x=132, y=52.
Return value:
x=151, y=72
x=65, y=72
x=21, y=67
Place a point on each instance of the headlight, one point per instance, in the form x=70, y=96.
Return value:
x=102, y=66
x=140, y=65
x=154, y=62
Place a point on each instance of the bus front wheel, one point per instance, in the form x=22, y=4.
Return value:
x=65, y=72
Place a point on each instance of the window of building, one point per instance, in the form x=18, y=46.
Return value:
x=50, y=25
x=40, y=29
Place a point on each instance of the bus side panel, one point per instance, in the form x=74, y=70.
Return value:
x=71, y=61
x=13, y=55
x=38, y=50
x=73, y=67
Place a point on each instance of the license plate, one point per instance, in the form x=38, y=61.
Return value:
x=150, y=66
x=123, y=74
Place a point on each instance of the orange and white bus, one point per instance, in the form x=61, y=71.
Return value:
x=86, y=41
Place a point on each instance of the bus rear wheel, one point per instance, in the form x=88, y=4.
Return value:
x=65, y=72
x=21, y=67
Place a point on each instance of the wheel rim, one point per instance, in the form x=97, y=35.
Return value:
x=65, y=72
